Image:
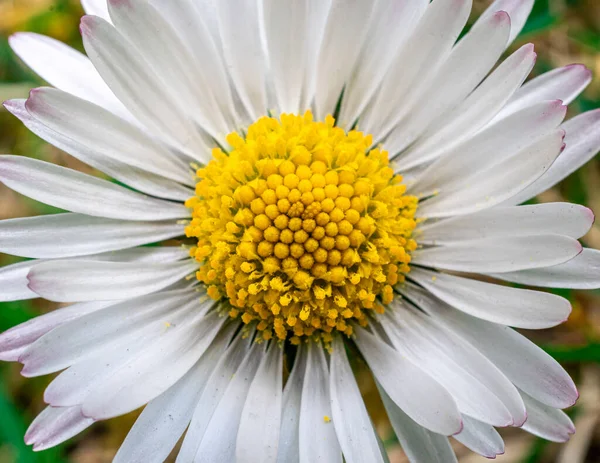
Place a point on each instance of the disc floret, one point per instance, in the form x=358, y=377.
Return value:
x=301, y=227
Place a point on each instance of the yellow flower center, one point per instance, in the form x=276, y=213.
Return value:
x=301, y=227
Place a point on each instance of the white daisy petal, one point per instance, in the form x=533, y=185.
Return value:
x=521, y=308
x=69, y=235
x=479, y=388
x=285, y=27
x=556, y=218
x=419, y=444
x=414, y=391
x=218, y=443
x=500, y=255
x=499, y=182
x=54, y=426
x=435, y=35
x=342, y=40
x=160, y=47
x=525, y=364
x=163, y=421
x=148, y=100
x=480, y=438
x=289, y=442
x=71, y=342
x=14, y=283
x=66, y=69
x=450, y=86
x=16, y=340
x=581, y=272
x=154, y=185
x=317, y=434
x=518, y=11
x=78, y=192
x=96, y=7
x=582, y=142
x=504, y=139
x=474, y=112
x=547, y=422
x=239, y=27
x=82, y=280
x=391, y=24
x=74, y=385
x=158, y=367
x=316, y=22
x=258, y=434
x=564, y=84
x=352, y=423
x=195, y=21
x=87, y=124
x=213, y=392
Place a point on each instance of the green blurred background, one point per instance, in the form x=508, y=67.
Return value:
x=564, y=32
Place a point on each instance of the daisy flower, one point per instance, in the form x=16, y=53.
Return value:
x=333, y=180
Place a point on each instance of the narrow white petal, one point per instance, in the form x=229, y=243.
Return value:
x=139, y=88
x=481, y=438
x=500, y=254
x=161, y=364
x=82, y=280
x=196, y=24
x=525, y=364
x=54, y=426
x=286, y=24
x=581, y=272
x=85, y=335
x=66, y=69
x=490, y=147
x=14, y=283
x=342, y=40
x=450, y=85
x=391, y=24
x=518, y=11
x=289, y=442
x=87, y=124
x=474, y=112
x=505, y=305
x=352, y=423
x=420, y=396
x=317, y=20
x=500, y=222
x=212, y=394
x=164, y=419
x=78, y=192
x=480, y=389
x=97, y=8
x=547, y=422
x=419, y=444
x=317, y=434
x=564, y=84
x=258, y=434
x=14, y=341
x=218, y=443
x=70, y=235
x=154, y=185
x=499, y=182
x=239, y=26
x=582, y=142
x=435, y=34
x=159, y=45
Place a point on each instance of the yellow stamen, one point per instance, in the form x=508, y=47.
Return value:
x=301, y=227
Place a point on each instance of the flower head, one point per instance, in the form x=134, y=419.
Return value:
x=337, y=174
